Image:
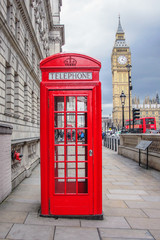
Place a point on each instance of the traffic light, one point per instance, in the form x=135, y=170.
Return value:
x=136, y=113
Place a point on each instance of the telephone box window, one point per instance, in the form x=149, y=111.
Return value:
x=59, y=120
x=59, y=103
x=71, y=103
x=82, y=103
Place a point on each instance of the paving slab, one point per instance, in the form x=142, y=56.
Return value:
x=152, y=213
x=114, y=204
x=124, y=238
x=124, y=212
x=143, y=204
x=34, y=218
x=4, y=229
x=156, y=234
x=20, y=206
x=124, y=197
x=12, y=217
x=31, y=232
x=128, y=192
x=144, y=223
x=125, y=234
x=108, y=222
x=151, y=198
x=72, y=233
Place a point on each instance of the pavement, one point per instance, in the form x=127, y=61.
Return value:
x=131, y=207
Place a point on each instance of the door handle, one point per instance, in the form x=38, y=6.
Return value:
x=90, y=153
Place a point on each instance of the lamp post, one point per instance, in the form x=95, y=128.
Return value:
x=123, y=96
x=129, y=89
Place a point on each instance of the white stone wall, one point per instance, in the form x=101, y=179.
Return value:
x=5, y=163
x=27, y=35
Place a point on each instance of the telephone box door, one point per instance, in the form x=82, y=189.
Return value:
x=71, y=161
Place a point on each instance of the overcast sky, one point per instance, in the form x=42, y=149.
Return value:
x=90, y=28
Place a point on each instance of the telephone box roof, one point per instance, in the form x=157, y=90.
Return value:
x=69, y=60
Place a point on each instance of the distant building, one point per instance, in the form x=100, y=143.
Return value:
x=30, y=30
x=149, y=107
x=107, y=123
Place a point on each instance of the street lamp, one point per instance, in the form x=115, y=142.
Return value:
x=129, y=89
x=122, y=96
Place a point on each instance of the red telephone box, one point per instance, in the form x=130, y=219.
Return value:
x=71, y=136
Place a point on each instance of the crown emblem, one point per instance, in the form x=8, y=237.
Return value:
x=70, y=62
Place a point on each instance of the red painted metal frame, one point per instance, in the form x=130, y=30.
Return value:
x=81, y=63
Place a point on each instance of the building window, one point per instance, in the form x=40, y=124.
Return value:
x=17, y=26
x=26, y=44
x=9, y=12
x=38, y=111
x=16, y=95
x=9, y=90
x=34, y=107
x=33, y=59
x=26, y=102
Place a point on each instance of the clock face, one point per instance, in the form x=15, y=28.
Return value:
x=122, y=60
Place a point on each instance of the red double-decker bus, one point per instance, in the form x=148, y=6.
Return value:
x=142, y=125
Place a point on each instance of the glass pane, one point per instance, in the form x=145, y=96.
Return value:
x=59, y=153
x=70, y=101
x=70, y=133
x=82, y=120
x=82, y=136
x=59, y=185
x=59, y=170
x=71, y=120
x=82, y=103
x=59, y=120
x=71, y=153
x=71, y=186
x=58, y=103
x=82, y=153
x=82, y=170
x=59, y=136
x=71, y=170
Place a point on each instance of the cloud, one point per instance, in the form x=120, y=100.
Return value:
x=90, y=28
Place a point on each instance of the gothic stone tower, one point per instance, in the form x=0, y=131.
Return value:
x=121, y=57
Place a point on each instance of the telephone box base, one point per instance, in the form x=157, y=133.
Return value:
x=88, y=217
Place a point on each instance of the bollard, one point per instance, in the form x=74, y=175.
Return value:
x=115, y=145
x=112, y=144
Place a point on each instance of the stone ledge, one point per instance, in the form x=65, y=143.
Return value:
x=5, y=129
x=24, y=174
x=132, y=153
x=24, y=140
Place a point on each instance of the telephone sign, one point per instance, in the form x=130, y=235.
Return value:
x=71, y=141
x=70, y=76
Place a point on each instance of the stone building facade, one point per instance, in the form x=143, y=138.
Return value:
x=149, y=108
x=30, y=30
x=121, y=57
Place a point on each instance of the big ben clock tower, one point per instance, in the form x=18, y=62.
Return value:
x=121, y=57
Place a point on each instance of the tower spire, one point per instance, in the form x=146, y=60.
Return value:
x=119, y=30
x=120, y=36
